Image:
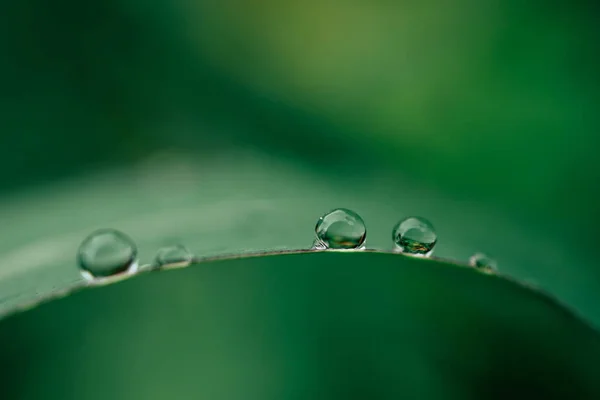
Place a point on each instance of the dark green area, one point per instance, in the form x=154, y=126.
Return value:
x=254, y=118
x=320, y=325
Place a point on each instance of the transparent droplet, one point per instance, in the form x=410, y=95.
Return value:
x=177, y=255
x=105, y=253
x=483, y=262
x=340, y=229
x=414, y=235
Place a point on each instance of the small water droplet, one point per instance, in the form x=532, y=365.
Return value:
x=483, y=262
x=414, y=235
x=106, y=253
x=177, y=255
x=340, y=229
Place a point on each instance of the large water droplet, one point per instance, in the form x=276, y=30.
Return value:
x=340, y=229
x=483, y=262
x=105, y=253
x=414, y=235
x=177, y=255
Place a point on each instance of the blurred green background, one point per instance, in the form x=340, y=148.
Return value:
x=492, y=101
x=232, y=125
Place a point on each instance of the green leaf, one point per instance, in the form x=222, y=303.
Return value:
x=331, y=325
x=239, y=203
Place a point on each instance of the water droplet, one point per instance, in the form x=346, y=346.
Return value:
x=340, y=229
x=105, y=253
x=483, y=262
x=177, y=255
x=414, y=235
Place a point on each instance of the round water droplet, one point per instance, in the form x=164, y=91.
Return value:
x=105, y=253
x=414, y=235
x=173, y=255
x=483, y=262
x=340, y=229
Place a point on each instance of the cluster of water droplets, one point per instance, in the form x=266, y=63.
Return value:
x=108, y=254
x=345, y=229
